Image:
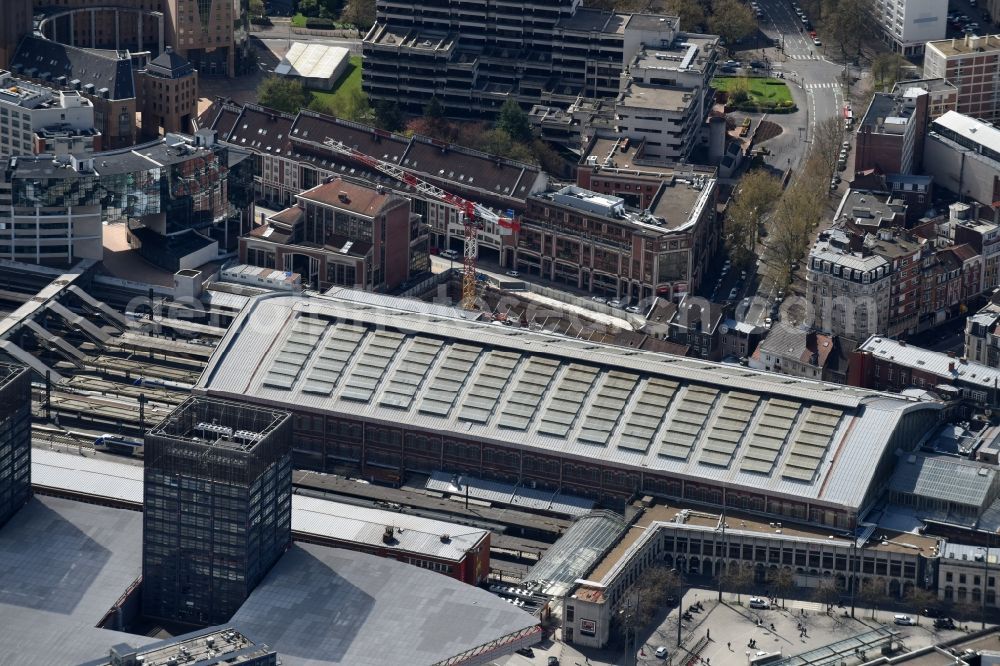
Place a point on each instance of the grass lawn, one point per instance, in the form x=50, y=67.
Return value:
x=761, y=89
x=349, y=80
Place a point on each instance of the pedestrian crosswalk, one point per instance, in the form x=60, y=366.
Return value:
x=798, y=56
x=815, y=86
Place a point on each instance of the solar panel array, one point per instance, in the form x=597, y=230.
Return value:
x=727, y=431
x=294, y=353
x=447, y=383
x=647, y=414
x=371, y=365
x=769, y=435
x=608, y=406
x=811, y=443
x=688, y=421
x=409, y=375
x=491, y=380
x=564, y=407
x=527, y=395
x=336, y=354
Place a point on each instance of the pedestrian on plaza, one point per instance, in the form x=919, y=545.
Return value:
x=708, y=634
x=729, y=646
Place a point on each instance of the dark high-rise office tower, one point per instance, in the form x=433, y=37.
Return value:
x=15, y=439
x=218, y=497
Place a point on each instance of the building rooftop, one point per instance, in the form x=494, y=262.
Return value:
x=69, y=67
x=870, y=209
x=965, y=45
x=969, y=131
x=593, y=20
x=352, y=197
x=63, y=565
x=793, y=342
x=28, y=95
x=261, y=129
x=657, y=98
x=634, y=409
x=654, y=22
x=946, y=478
x=889, y=113
x=311, y=60
x=169, y=65
x=215, y=423
x=323, y=606
x=936, y=363
x=216, y=646
x=687, y=53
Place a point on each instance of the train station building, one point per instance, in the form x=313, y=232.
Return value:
x=383, y=387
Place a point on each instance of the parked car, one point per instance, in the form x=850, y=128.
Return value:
x=817, y=41
x=513, y=273
x=615, y=303
x=944, y=623
x=905, y=620
x=661, y=652
x=553, y=661
x=449, y=254
x=633, y=309
x=732, y=294
x=598, y=299
x=846, y=146
x=759, y=602
x=767, y=322
x=525, y=652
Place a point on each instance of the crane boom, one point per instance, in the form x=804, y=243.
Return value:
x=474, y=214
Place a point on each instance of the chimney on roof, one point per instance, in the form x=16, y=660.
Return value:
x=343, y=197
x=951, y=366
x=389, y=535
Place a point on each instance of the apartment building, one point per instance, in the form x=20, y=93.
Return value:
x=962, y=153
x=342, y=234
x=982, y=336
x=908, y=24
x=795, y=351
x=472, y=57
x=969, y=63
x=666, y=95
x=596, y=242
x=35, y=119
x=891, y=133
x=702, y=543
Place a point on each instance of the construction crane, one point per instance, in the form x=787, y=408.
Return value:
x=474, y=215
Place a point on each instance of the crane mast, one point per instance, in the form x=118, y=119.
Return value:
x=474, y=215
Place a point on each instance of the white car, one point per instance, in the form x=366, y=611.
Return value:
x=759, y=602
x=661, y=652
x=903, y=619
x=513, y=273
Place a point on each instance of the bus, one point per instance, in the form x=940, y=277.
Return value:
x=118, y=444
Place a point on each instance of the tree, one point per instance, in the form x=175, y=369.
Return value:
x=690, y=12
x=257, y=8
x=731, y=20
x=922, y=599
x=359, y=12
x=281, y=94
x=756, y=197
x=887, y=69
x=827, y=592
x=827, y=141
x=849, y=24
x=782, y=581
x=308, y=7
x=872, y=593
x=388, y=116
x=514, y=121
x=737, y=578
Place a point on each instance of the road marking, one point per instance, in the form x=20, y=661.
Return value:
x=815, y=86
x=798, y=56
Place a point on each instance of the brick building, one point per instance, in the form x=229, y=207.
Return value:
x=169, y=95
x=969, y=63
x=342, y=234
x=891, y=133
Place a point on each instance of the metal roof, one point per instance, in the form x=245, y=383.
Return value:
x=508, y=493
x=312, y=61
x=971, y=129
x=319, y=517
x=932, y=362
x=363, y=525
x=561, y=396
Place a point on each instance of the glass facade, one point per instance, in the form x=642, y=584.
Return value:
x=217, y=513
x=15, y=439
